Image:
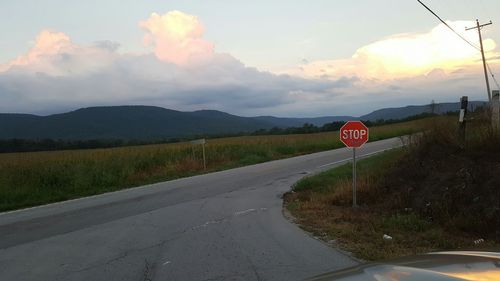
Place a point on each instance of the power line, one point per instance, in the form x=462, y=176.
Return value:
x=463, y=38
x=493, y=76
x=447, y=25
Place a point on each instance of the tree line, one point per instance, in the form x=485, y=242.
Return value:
x=31, y=145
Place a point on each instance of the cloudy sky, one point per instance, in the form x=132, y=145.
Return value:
x=283, y=58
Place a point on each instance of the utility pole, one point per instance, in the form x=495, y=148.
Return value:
x=478, y=27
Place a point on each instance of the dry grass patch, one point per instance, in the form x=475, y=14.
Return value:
x=321, y=205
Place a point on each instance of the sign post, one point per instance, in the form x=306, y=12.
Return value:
x=202, y=142
x=495, y=109
x=354, y=134
x=462, y=118
x=354, y=203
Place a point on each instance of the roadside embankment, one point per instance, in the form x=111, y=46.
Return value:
x=436, y=194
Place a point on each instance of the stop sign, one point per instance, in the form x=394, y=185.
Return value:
x=354, y=134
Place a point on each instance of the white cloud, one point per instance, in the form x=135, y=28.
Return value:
x=177, y=37
x=55, y=54
x=185, y=73
x=405, y=55
x=57, y=74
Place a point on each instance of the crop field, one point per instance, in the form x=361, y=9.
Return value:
x=29, y=179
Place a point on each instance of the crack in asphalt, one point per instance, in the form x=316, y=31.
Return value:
x=176, y=236
x=123, y=255
x=253, y=268
x=146, y=271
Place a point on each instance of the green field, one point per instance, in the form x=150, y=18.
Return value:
x=29, y=179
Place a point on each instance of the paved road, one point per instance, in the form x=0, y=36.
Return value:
x=221, y=226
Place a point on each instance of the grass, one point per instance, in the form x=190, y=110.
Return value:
x=29, y=179
x=322, y=205
x=411, y=194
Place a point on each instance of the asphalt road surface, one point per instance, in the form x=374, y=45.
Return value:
x=220, y=226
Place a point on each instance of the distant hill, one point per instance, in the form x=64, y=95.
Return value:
x=140, y=123
x=407, y=111
x=124, y=122
x=155, y=123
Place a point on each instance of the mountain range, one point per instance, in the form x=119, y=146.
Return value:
x=152, y=123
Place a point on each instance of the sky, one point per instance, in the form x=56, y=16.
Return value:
x=281, y=58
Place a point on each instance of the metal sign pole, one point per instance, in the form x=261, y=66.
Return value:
x=354, y=204
x=354, y=134
x=204, y=160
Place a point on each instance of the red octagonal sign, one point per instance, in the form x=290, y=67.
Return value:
x=354, y=134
